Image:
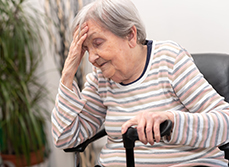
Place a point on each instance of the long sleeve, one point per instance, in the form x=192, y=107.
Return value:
x=77, y=116
x=207, y=122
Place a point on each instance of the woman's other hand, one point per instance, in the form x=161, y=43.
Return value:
x=75, y=55
x=148, y=125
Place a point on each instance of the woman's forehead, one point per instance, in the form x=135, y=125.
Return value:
x=95, y=27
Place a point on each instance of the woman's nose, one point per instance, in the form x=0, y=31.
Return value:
x=93, y=57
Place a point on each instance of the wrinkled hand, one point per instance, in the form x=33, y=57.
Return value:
x=147, y=124
x=75, y=55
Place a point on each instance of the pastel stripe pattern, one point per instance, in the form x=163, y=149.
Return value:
x=171, y=82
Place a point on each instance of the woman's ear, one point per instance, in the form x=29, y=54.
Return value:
x=132, y=37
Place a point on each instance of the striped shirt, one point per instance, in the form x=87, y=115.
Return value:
x=171, y=82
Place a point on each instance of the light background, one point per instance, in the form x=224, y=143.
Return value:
x=198, y=25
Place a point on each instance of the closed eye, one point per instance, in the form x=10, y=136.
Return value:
x=97, y=42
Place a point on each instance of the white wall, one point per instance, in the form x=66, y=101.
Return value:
x=198, y=25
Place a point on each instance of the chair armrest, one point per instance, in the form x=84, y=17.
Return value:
x=102, y=133
x=224, y=147
x=82, y=146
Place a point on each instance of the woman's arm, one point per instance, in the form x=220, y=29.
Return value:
x=76, y=116
x=206, y=124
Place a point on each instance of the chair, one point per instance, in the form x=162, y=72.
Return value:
x=214, y=67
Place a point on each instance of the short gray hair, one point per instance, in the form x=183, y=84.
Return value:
x=117, y=16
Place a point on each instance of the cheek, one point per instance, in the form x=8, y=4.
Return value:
x=120, y=58
x=106, y=53
x=115, y=52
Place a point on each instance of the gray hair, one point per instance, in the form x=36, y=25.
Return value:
x=117, y=16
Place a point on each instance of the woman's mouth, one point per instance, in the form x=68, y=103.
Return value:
x=102, y=64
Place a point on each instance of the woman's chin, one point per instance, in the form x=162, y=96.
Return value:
x=115, y=79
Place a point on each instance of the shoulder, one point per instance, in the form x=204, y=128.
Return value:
x=169, y=49
x=169, y=46
x=165, y=51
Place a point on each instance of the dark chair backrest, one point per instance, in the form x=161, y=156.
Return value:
x=215, y=68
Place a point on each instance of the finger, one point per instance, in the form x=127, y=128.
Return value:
x=156, y=130
x=76, y=51
x=77, y=42
x=80, y=33
x=78, y=27
x=76, y=31
x=79, y=30
x=80, y=43
x=81, y=40
x=149, y=132
x=141, y=130
x=128, y=124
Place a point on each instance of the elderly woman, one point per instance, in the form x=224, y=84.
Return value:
x=137, y=82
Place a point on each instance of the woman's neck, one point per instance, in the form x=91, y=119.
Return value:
x=137, y=66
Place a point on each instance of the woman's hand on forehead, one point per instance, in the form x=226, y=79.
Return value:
x=75, y=55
